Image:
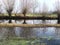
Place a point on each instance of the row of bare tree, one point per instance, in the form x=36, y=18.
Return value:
x=27, y=6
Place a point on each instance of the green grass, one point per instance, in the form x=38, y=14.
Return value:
x=17, y=41
x=55, y=15
x=13, y=42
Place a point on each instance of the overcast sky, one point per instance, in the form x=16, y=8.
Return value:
x=49, y=3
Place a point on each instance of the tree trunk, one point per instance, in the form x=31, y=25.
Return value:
x=24, y=19
x=58, y=18
x=15, y=20
x=10, y=17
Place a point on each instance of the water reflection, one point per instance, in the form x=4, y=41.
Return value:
x=49, y=31
x=34, y=32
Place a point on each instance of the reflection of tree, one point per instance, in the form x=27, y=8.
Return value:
x=26, y=33
x=57, y=32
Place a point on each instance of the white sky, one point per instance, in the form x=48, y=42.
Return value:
x=49, y=3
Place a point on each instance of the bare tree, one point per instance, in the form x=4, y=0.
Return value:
x=26, y=5
x=9, y=5
x=44, y=9
x=0, y=9
x=57, y=11
x=35, y=5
